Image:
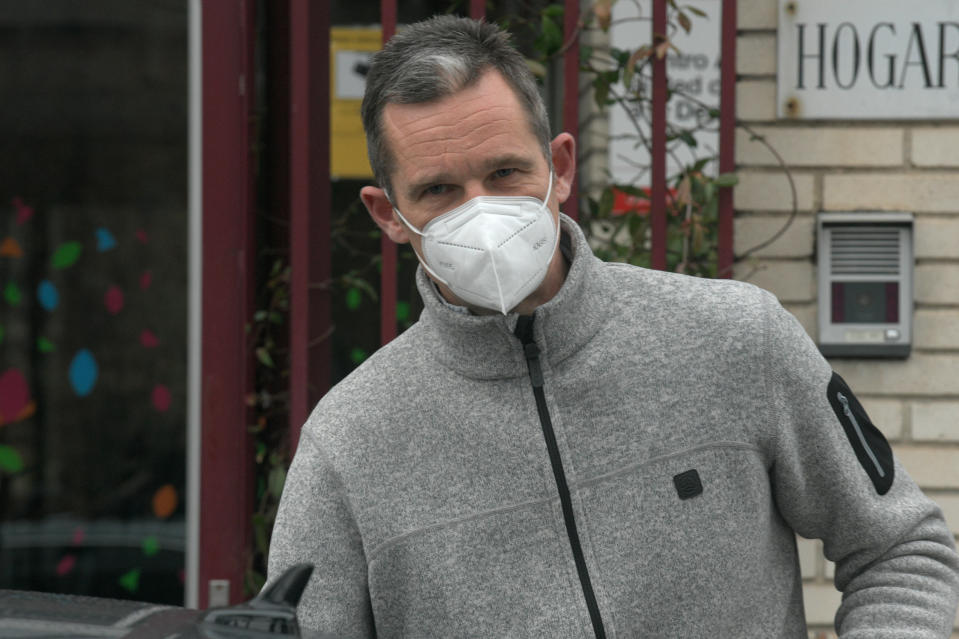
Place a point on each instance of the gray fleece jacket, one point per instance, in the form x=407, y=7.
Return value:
x=640, y=471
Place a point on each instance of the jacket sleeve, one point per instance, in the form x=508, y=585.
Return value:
x=314, y=525
x=835, y=478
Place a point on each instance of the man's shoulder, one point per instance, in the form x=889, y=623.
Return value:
x=374, y=391
x=668, y=296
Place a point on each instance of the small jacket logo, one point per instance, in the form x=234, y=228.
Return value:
x=539, y=243
x=688, y=484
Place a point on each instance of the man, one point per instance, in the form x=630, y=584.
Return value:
x=566, y=448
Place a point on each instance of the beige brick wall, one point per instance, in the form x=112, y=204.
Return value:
x=857, y=166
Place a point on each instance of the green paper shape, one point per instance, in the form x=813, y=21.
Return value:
x=67, y=254
x=130, y=581
x=10, y=460
x=353, y=298
x=357, y=355
x=402, y=311
x=12, y=294
x=151, y=546
x=44, y=345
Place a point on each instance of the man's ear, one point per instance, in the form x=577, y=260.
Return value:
x=382, y=213
x=563, y=148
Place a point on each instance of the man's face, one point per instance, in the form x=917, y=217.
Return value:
x=475, y=142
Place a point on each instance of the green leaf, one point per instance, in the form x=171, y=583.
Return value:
x=10, y=460
x=727, y=179
x=585, y=53
x=554, y=11
x=67, y=254
x=551, y=37
x=353, y=298
x=606, y=203
x=402, y=311
x=264, y=357
x=688, y=139
x=357, y=355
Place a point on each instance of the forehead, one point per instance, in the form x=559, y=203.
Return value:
x=458, y=134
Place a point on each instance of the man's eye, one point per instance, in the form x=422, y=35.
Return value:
x=436, y=189
x=501, y=173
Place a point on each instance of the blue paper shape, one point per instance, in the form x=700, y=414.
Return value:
x=83, y=372
x=105, y=240
x=48, y=295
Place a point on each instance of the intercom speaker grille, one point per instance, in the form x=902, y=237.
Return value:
x=864, y=251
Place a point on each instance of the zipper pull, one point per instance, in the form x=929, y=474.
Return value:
x=524, y=331
x=845, y=406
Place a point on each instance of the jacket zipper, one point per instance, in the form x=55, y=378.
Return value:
x=524, y=330
x=862, y=438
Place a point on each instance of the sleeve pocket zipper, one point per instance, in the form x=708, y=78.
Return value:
x=871, y=448
x=862, y=438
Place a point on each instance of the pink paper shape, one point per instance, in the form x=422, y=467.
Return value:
x=66, y=565
x=14, y=395
x=148, y=339
x=161, y=398
x=78, y=536
x=142, y=236
x=113, y=300
x=146, y=279
x=24, y=212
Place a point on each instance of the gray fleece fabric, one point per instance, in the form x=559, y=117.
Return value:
x=423, y=492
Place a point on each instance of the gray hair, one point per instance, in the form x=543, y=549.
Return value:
x=433, y=59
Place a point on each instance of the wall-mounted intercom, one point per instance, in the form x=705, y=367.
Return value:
x=865, y=284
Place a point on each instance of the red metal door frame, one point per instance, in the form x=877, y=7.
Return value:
x=309, y=143
x=226, y=489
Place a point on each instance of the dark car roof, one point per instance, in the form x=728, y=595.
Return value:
x=37, y=615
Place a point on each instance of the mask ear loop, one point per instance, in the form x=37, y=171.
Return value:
x=421, y=234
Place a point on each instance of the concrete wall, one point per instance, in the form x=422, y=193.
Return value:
x=849, y=166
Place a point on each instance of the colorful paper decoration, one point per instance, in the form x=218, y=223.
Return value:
x=15, y=401
x=161, y=398
x=148, y=339
x=141, y=236
x=83, y=372
x=66, y=255
x=113, y=300
x=48, y=295
x=151, y=546
x=165, y=501
x=146, y=279
x=10, y=248
x=66, y=565
x=105, y=240
x=130, y=580
x=44, y=345
x=24, y=212
x=10, y=460
x=12, y=294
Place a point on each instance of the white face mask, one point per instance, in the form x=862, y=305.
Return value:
x=492, y=251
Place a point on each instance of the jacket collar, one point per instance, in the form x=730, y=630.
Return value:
x=484, y=347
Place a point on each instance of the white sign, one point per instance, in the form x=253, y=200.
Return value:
x=693, y=74
x=868, y=59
